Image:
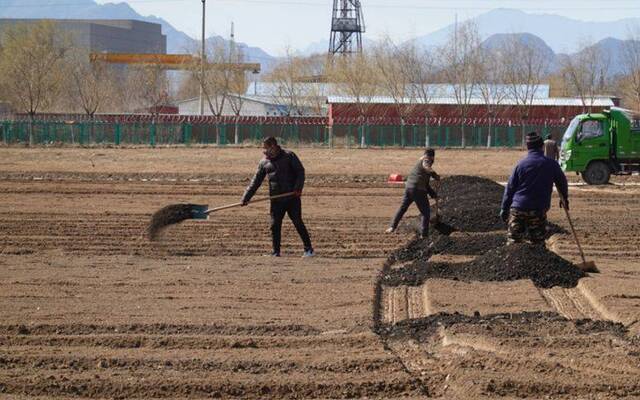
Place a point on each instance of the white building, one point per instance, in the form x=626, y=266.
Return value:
x=250, y=107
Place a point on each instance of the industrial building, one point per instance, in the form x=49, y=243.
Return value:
x=102, y=35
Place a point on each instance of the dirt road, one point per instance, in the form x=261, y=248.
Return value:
x=91, y=309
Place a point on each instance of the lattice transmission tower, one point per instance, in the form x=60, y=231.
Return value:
x=347, y=27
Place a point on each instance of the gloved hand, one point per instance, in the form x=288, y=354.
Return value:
x=504, y=215
x=297, y=193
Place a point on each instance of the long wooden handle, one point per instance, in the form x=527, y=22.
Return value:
x=573, y=230
x=279, y=196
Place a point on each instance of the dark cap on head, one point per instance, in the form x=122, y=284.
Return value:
x=429, y=152
x=534, y=140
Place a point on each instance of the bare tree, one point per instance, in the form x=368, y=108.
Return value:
x=31, y=67
x=631, y=63
x=528, y=66
x=460, y=61
x=393, y=64
x=354, y=77
x=586, y=72
x=90, y=83
x=237, y=86
x=288, y=87
x=149, y=87
x=491, y=86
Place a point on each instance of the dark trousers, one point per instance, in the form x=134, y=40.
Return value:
x=420, y=198
x=293, y=207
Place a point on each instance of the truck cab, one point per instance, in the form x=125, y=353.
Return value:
x=599, y=145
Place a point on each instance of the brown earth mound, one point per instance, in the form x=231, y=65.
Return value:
x=508, y=263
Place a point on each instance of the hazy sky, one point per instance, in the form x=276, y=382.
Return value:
x=275, y=25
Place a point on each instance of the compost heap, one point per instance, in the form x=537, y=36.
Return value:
x=507, y=263
x=472, y=206
x=471, y=203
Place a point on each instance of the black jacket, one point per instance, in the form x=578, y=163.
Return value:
x=285, y=172
x=419, y=178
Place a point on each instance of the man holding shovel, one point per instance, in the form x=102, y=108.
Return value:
x=527, y=197
x=417, y=189
x=286, y=174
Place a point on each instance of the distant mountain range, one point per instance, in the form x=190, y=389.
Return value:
x=555, y=34
x=562, y=34
x=610, y=48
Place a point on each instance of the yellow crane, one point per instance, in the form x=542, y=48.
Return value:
x=168, y=61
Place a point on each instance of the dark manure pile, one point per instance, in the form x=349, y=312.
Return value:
x=169, y=215
x=417, y=249
x=468, y=244
x=508, y=263
x=471, y=204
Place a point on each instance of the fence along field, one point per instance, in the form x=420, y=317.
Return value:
x=314, y=132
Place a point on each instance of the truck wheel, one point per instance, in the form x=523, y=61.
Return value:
x=597, y=173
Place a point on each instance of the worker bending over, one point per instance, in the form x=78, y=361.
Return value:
x=527, y=197
x=416, y=190
x=286, y=174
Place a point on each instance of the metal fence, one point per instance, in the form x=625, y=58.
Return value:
x=183, y=133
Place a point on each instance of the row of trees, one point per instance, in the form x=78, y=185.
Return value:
x=512, y=69
x=42, y=71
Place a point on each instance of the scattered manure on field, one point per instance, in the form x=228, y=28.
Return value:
x=169, y=215
x=506, y=324
x=507, y=263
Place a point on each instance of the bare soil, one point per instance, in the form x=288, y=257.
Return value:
x=92, y=309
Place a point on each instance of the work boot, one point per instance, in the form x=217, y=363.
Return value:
x=308, y=253
x=275, y=254
x=390, y=230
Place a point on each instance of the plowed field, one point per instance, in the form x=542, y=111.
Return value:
x=91, y=309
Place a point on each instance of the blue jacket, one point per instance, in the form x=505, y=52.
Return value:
x=531, y=183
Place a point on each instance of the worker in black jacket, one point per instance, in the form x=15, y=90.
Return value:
x=417, y=189
x=286, y=174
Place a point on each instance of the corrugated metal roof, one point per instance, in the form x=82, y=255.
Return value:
x=437, y=90
x=550, y=101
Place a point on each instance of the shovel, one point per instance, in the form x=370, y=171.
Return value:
x=435, y=216
x=176, y=213
x=586, y=266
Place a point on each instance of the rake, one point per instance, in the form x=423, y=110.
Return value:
x=586, y=266
x=176, y=213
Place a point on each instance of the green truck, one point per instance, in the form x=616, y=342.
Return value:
x=598, y=145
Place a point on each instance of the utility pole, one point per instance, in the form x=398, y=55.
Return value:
x=202, y=61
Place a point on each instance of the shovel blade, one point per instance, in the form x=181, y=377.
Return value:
x=199, y=211
x=588, y=266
